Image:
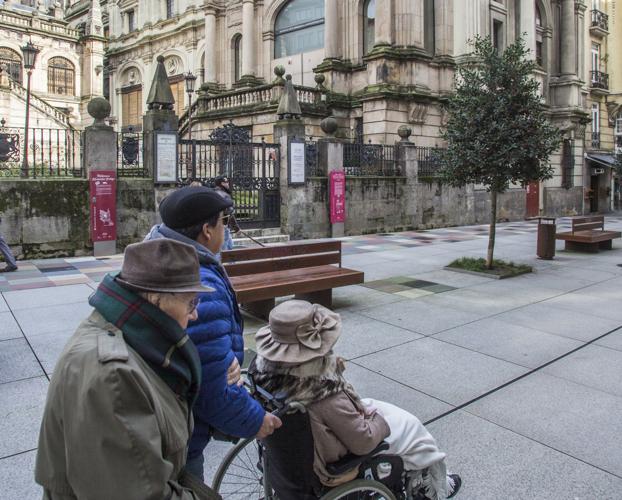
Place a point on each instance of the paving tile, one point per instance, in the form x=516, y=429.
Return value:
x=17, y=477
x=594, y=366
x=589, y=304
x=35, y=299
x=17, y=361
x=48, y=347
x=3, y=305
x=565, y=322
x=355, y=297
x=21, y=410
x=372, y=385
x=513, y=343
x=451, y=278
x=612, y=341
x=9, y=328
x=361, y=335
x=415, y=293
x=420, y=317
x=572, y=418
x=447, y=372
x=496, y=463
x=64, y=317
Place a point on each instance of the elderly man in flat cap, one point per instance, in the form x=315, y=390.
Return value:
x=118, y=414
x=198, y=215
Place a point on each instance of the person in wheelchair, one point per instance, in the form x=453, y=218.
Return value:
x=295, y=359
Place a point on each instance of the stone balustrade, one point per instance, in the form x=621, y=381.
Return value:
x=16, y=20
x=40, y=104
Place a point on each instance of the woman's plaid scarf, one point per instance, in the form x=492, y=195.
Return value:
x=153, y=334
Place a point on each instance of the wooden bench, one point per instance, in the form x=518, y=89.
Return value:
x=588, y=234
x=307, y=270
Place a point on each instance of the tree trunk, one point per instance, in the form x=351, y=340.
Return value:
x=493, y=228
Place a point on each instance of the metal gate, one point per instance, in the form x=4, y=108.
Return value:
x=253, y=170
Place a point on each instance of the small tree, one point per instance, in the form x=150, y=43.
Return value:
x=497, y=131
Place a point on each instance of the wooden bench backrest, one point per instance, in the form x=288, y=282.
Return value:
x=588, y=223
x=281, y=258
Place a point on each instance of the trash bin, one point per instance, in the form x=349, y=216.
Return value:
x=546, y=237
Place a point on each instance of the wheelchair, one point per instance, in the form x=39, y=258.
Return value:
x=280, y=467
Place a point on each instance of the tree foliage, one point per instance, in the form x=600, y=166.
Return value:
x=497, y=131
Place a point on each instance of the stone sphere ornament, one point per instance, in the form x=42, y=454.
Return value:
x=329, y=125
x=320, y=79
x=99, y=108
x=404, y=132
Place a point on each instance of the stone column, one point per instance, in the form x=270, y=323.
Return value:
x=248, y=38
x=210, y=46
x=568, y=38
x=527, y=25
x=384, y=23
x=332, y=47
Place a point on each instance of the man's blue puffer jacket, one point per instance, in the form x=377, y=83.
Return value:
x=218, y=335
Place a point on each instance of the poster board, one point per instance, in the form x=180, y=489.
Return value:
x=165, y=157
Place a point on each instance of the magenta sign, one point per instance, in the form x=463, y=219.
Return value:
x=337, y=196
x=103, y=205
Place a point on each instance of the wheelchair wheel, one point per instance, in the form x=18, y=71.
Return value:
x=360, y=489
x=240, y=475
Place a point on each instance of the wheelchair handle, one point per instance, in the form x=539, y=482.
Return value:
x=293, y=406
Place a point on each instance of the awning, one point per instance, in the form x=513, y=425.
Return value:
x=602, y=159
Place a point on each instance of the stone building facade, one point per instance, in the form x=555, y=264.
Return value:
x=69, y=67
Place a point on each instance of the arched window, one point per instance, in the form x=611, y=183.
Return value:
x=131, y=99
x=61, y=76
x=13, y=63
x=539, y=37
x=299, y=28
x=237, y=57
x=369, y=25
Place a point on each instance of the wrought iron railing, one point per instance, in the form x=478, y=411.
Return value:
x=600, y=20
x=51, y=153
x=130, y=154
x=600, y=80
x=370, y=159
x=596, y=140
x=312, y=160
x=428, y=164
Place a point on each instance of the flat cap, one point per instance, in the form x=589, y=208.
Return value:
x=192, y=205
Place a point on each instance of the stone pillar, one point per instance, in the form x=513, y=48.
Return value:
x=568, y=38
x=332, y=35
x=527, y=25
x=100, y=153
x=330, y=158
x=210, y=46
x=384, y=23
x=248, y=38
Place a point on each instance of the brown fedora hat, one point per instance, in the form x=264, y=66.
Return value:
x=161, y=265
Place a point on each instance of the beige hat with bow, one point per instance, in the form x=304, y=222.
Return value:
x=298, y=332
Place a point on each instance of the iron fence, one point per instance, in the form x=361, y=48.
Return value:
x=51, y=152
x=600, y=20
x=596, y=140
x=130, y=154
x=370, y=159
x=428, y=164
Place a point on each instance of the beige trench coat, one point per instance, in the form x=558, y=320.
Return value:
x=112, y=429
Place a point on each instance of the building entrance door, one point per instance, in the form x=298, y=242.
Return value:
x=533, y=199
x=594, y=193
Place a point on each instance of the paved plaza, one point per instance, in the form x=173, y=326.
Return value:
x=520, y=380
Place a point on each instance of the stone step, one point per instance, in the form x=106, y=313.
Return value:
x=274, y=238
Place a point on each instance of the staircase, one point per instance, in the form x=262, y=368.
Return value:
x=40, y=105
x=265, y=236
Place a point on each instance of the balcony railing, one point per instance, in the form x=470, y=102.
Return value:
x=600, y=20
x=600, y=80
x=596, y=140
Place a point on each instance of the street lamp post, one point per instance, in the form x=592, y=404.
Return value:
x=30, y=55
x=190, y=82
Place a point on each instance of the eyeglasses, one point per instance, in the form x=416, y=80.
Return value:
x=192, y=305
x=225, y=219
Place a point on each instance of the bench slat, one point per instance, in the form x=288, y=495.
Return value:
x=281, y=264
x=586, y=226
x=588, y=236
x=268, y=285
x=288, y=250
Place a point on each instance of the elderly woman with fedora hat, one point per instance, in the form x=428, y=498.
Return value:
x=295, y=357
x=118, y=414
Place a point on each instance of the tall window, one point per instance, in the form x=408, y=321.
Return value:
x=369, y=25
x=595, y=126
x=13, y=63
x=539, y=38
x=178, y=87
x=595, y=57
x=131, y=26
x=169, y=8
x=131, y=100
x=237, y=57
x=61, y=76
x=497, y=35
x=299, y=28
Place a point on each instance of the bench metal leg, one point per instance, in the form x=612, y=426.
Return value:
x=606, y=245
x=577, y=246
x=323, y=297
x=260, y=308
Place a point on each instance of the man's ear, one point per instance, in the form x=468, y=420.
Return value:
x=206, y=232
